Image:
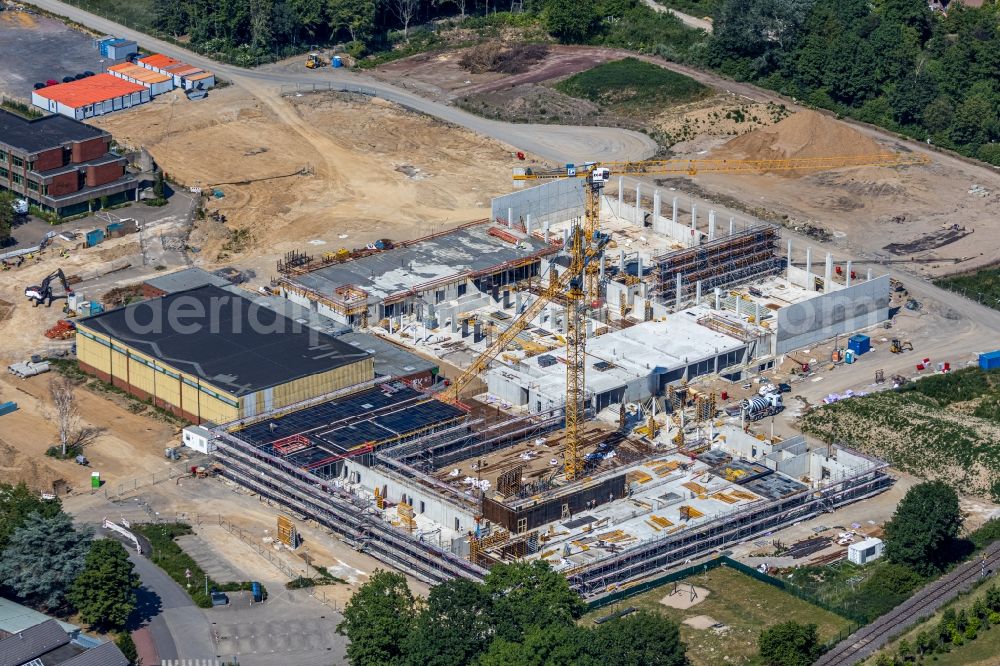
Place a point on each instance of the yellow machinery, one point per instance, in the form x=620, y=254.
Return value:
x=897, y=347
x=315, y=60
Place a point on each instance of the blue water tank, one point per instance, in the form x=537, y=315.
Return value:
x=337, y=61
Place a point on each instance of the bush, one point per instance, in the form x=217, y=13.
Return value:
x=174, y=561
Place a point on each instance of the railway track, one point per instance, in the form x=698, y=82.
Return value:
x=866, y=640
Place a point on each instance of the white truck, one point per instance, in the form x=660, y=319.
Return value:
x=761, y=406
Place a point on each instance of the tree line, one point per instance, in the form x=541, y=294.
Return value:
x=49, y=564
x=893, y=63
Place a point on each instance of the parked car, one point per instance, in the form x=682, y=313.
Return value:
x=785, y=388
x=219, y=598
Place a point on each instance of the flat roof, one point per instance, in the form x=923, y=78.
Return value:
x=14, y=618
x=91, y=90
x=186, y=278
x=140, y=73
x=159, y=60
x=464, y=250
x=382, y=413
x=226, y=340
x=39, y=134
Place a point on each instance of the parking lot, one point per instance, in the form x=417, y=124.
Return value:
x=289, y=628
x=35, y=48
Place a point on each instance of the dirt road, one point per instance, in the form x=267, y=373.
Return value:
x=558, y=144
x=686, y=19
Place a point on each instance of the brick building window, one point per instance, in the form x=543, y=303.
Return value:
x=17, y=179
x=18, y=162
x=4, y=173
x=33, y=186
x=3, y=156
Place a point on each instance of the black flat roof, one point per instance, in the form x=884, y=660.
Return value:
x=39, y=134
x=224, y=339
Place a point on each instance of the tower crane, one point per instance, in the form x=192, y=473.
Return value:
x=570, y=285
x=587, y=243
x=595, y=176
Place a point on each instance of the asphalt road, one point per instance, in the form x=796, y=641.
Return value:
x=558, y=144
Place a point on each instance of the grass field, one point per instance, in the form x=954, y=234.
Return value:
x=943, y=426
x=745, y=605
x=137, y=14
x=632, y=87
x=982, y=286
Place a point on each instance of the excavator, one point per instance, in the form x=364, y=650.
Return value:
x=897, y=347
x=315, y=60
x=42, y=293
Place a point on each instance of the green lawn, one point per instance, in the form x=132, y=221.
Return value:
x=982, y=286
x=137, y=14
x=632, y=87
x=744, y=604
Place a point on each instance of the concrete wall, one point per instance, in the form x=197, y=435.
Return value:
x=424, y=501
x=680, y=232
x=551, y=202
x=844, y=311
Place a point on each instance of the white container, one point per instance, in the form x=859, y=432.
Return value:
x=865, y=551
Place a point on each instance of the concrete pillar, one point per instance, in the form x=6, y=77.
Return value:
x=621, y=261
x=756, y=312
x=590, y=328
x=738, y=300
x=638, y=267
x=510, y=217
x=673, y=217
x=711, y=225
x=869, y=277
x=732, y=226
x=545, y=230
x=506, y=299
x=697, y=292
x=454, y=323
x=517, y=302
x=638, y=205
x=788, y=270
x=465, y=327
x=847, y=275
x=828, y=273
x=527, y=224
x=600, y=274
x=621, y=193
x=565, y=322
x=694, y=216
x=809, y=267
x=656, y=210
x=477, y=332
x=718, y=298
x=677, y=288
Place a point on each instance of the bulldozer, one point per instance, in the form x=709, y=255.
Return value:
x=315, y=60
x=897, y=347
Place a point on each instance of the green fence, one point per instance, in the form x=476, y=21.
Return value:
x=723, y=560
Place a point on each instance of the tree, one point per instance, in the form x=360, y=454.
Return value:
x=43, y=558
x=637, y=640
x=159, y=186
x=543, y=646
x=570, y=21
x=63, y=392
x=789, y=644
x=527, y=594
x=127, y=646
x=924, y=526
x=6, y=215
x=357, y=17
x=453, y=628
x=104, y=592
x=404, y=10
x=378, y=619
x=17, y=503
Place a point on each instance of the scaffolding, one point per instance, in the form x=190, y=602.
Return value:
x=744, y=256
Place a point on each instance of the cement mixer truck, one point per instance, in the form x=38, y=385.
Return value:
x=761, y=406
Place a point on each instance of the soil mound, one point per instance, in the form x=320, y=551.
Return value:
x=803, y=134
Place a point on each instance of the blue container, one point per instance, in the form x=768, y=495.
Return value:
x=337, y=61
x=7, y=408
x=95, y=237
x=96, y=308
x=859, y=344
x=990, y=361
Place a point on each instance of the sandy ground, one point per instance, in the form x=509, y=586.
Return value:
x=681, y=599
x=127, y=445
x=371, y=170
x=701, y=622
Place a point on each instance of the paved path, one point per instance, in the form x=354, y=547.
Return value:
x=554, y=143
x=686, y=19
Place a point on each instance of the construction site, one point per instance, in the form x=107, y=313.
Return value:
x=608, y=438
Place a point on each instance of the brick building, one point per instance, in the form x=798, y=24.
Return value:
x=60, y=164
